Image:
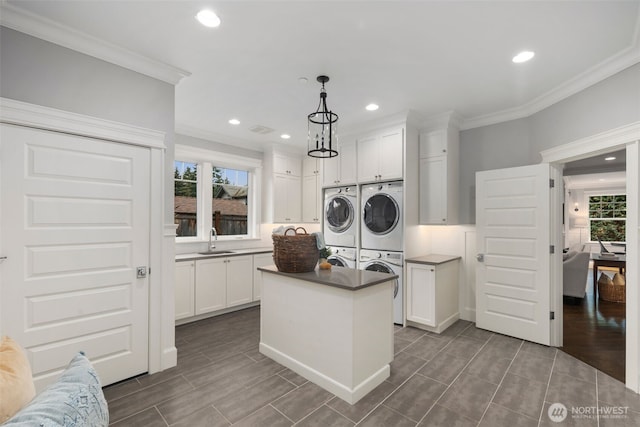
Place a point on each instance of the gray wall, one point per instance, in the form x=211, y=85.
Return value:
x=35, y=71
x=606, y=105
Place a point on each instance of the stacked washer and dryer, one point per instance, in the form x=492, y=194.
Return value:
x=341, y=224
x=382, y=235
x=379, y=215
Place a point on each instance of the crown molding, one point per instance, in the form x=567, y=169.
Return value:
x=599, y=72
x=442, y=121
x=38, y=116
x=20, y=20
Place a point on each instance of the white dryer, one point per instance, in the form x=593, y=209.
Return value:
x=387, y=262
x=340, y=212
x=343, y=257
x=382, y=210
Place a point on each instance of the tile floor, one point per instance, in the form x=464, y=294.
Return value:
x=463, y=377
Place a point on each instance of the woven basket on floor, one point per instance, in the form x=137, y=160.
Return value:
x=296, y=253
x=613, y=290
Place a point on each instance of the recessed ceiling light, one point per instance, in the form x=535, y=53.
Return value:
x=608, y=159
x=234, y=121
x=208, y=18
x=372, y=107
x=285, y=136
x=302, y=80
x=601, y=180
x=523, y=56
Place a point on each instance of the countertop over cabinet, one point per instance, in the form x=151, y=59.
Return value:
x=223, y=253
x=338, y=277
x=433, y=259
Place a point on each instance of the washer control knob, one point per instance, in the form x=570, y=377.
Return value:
x=379, y=255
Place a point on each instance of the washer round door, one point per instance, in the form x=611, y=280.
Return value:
x=380, y=214
x=339, y=214
x=383, y=268
x=337, y=261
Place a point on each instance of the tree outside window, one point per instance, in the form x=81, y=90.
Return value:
x=230, y=190
x=185, y=198
x=607, y=217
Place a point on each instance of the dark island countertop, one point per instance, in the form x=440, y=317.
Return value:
x=338, y=277
x=432, y=259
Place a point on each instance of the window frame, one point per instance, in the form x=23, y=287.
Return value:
x=603, y=192
x=206, y=160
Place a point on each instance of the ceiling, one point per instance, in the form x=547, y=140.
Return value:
x=426, y=56
x=598, y=164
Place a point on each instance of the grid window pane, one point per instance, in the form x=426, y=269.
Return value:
x=185, y=198
x=230, y=204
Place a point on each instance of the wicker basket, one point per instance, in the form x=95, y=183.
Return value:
x=296, y=253
x=612, y=291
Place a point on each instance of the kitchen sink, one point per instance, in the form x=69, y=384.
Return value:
x=220, y=252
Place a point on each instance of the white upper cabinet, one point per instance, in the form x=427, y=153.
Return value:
x=439, y=176
x=380, y=156
x=287, y=164
x=311, y=189
x=282, y=190
x=341, y=170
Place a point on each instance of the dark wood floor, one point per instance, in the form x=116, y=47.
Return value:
x=594, y=332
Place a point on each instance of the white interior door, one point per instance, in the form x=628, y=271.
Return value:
x=513, y=279
x=74, y=227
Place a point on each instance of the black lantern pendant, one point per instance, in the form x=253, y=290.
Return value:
x=323, y=141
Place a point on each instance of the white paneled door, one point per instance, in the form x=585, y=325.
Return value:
x=74, y=227
x=513, y=279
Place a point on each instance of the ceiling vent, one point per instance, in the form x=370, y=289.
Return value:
x=262, y=130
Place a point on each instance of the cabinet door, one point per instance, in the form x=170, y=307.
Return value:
x=348, y=163
x=287, y=201
x=391, y=155
x=433, y=143
x=331, y=171
x=433, y=190
x=311, y=166
x=184, y=289
x=421, y=294
x=310, y=199
x=368, y=158
x=239, y=280
x=287, y=164
x=259, y=260
x=211, y=285
x=293, y=204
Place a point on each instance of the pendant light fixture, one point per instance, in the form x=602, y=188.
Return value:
x=322, y=139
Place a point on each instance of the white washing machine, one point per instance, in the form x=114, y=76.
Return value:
x=382, y=210
x=343, y=257
x=386, y=262
x=340, y=223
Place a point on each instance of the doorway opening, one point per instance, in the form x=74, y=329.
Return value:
x=594, y=307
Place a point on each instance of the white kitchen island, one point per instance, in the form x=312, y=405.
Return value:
x=333, y=327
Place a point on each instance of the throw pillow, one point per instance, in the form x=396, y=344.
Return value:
x=618, y=279
x=75, y=399
x=16, y=381
x=605, y=280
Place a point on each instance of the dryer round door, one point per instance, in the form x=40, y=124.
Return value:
x=380, y=214
x=383, y=268
x=337, y=261
x=339, y=214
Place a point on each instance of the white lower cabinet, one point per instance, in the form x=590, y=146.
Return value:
x=259, y=260
x=432, y=294
x=211, y=284
x=184, y=288
x=239, y=280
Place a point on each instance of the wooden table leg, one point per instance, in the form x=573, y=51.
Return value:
x=595, y=281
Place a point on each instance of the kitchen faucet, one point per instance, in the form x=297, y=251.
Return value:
x=214, y=234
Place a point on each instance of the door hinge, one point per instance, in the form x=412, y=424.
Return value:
x=552, y=183
x=552, y=315
x=552, y=249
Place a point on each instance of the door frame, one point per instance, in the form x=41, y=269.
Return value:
x=162, y=350
x=624, y=137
